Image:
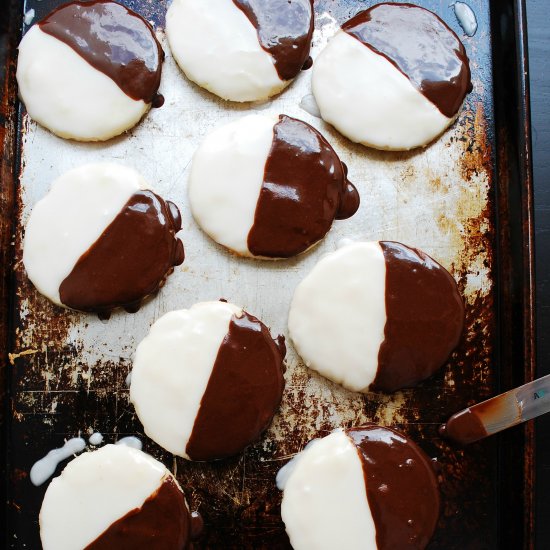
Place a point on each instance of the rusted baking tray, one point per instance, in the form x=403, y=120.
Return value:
x=466, y=200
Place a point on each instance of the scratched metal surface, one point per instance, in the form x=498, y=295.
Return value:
x=68, y=370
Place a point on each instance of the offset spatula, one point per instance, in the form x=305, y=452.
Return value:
x=498, y=413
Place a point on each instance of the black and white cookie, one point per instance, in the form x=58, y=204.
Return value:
x=366, y=488
x=376, y=316
x=394, y=77
x=101, y=240
x=89, y=70
x=115, y=497
x=269, y=186
x=241, y=50
x=207, y=381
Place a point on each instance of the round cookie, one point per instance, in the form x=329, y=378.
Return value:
x=268, y=186
x=241, y=50
x=376, y=316
x=366, y=488
x=394, y=77
x=207, y=381
x=89, y=70
x=100, y=240
x=114, y=497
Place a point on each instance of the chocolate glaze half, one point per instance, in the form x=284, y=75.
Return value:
x=162, y=523
x=401, y=485
x=305, y=188
x=112, y=39
x=464, y=427
x=285, y=29
x=424, y=318
x=243, y=393
x=130, y=260
x=421, y=46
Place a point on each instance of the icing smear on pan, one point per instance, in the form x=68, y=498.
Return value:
x=45, y=468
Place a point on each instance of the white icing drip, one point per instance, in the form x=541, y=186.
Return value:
x=369, y=100
x=130, y=441
x=324, y=502
x=128, y=380
x=29, y=16
x=216, y=46
x=226, y=179
x=466, y=17
x=64, y=93
x=309, y=105
x=45, y=467
x=95, y=439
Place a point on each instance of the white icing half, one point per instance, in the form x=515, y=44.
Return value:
x=217, y=47
x=45, y=467
x=286, y=471
x=325, y=502
x=338, y=314
x=93, y=491
x=226, y=179
x=172, y=368
x=369, y=100
x=71, y=217
x=64, y=93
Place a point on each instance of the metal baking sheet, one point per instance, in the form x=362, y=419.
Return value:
x=66, y=372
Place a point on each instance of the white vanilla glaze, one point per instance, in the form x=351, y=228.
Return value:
x=369, y=100
x=95, y=490
x=64, y=93
x=226, y=179
x=172, y=368
x=29, y=16
x=95, y=439
x=466, y=17
x=325, y=503
x=71, y=217
x=338, y=314
x=286, y=471
x=131, y=441
x=45, y=468
x=217, y=47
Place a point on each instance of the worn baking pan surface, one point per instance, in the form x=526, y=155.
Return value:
x=67, y=372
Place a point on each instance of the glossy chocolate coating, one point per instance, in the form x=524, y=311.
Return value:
x=463, y=427
x=130, y=260
x=285, y=29
x=243, y=393
x=304, y=189
x=402, y=488
x=113, y=40
x=421, y=46
x=424, y=318
x=162, y=523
